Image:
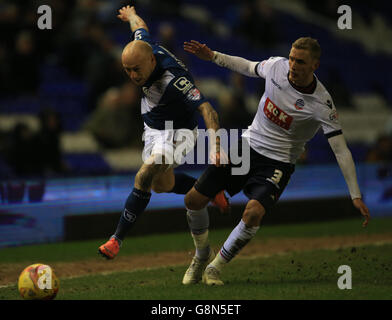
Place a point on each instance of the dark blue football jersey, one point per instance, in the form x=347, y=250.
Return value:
x=170, y=93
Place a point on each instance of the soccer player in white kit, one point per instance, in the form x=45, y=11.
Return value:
x=293, y=107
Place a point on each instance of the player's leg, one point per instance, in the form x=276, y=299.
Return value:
x=179, y=182
x=176, y=145
x=135, y=204
x=196, y=201
x=157, y=156
x=198, y=222
x=238, y=238
x=172, y=182
x=268, y=181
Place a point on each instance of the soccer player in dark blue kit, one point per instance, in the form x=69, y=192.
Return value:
x=170, y=100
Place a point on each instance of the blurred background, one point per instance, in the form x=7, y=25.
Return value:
x=70, y=124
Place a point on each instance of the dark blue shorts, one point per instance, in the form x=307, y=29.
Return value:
x=265, y=181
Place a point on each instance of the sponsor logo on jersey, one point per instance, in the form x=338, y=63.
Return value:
x=183, y=84
x=299, y=104
x=193, y=94
x=276, y=115
x=276, y=84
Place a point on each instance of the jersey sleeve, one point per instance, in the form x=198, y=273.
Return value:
x=183, y=92
x=263, y=68
x=142, y=34
x=329, y=119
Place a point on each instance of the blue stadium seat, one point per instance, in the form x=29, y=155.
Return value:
x=87, y=163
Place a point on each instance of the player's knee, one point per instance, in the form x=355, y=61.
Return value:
x=160, y=187
x=253, y=213
x=195, y=200
x=143, y=179
x=157, y=188
x=164, y=180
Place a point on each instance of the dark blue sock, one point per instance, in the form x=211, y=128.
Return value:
x=183, y=183
x=136, y=202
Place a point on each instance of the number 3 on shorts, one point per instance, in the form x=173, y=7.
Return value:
x=277, y=176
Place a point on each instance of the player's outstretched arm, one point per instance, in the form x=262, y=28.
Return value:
x=347, y=165
x=199, y=50
x=128, y=14
x=237, y=64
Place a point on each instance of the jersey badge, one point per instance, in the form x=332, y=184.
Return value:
x=193, y=94
x=299, y=104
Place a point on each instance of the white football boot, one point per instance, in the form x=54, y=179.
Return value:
x=195, y=271
x=211, y=277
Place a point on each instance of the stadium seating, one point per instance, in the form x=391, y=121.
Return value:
x=361, y=71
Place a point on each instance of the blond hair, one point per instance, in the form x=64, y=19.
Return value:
x=310, y=44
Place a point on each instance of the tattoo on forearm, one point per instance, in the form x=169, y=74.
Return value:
x=136, y=22
x=211, y=118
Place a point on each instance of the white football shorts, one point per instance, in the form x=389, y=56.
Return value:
x=173, y=144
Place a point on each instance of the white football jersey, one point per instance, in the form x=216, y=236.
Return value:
x=286, y=118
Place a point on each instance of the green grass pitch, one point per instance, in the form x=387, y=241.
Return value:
x=310, y=274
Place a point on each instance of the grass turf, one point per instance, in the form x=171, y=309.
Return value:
x=296, y=275
x=81, y=250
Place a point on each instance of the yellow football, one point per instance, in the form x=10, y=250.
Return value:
x=38, y=282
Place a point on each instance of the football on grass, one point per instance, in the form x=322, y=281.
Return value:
x=38, y=282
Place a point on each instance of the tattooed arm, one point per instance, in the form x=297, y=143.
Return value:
x=209, y=115
x=128, y=14
x=211, y=119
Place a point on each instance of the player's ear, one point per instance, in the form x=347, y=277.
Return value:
x=153, y=59
x=316, y=64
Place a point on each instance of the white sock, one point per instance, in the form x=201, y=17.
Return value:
x=237, y=239
x=198, y=221
x=218, y=263
x=202, y=245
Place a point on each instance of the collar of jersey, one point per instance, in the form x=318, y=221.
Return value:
x=155, y=75
x=304, y=90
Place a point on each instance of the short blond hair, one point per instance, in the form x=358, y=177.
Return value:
x=310, y=44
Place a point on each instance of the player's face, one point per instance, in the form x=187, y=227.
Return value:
x=302, y=65
x=140, y=68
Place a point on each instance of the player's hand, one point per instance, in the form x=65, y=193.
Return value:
x=199, y=50
x=218, y=157
x=361, y=206
x=125, y=13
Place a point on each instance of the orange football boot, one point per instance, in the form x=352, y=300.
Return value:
x=222, y=202
x=110, y=249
